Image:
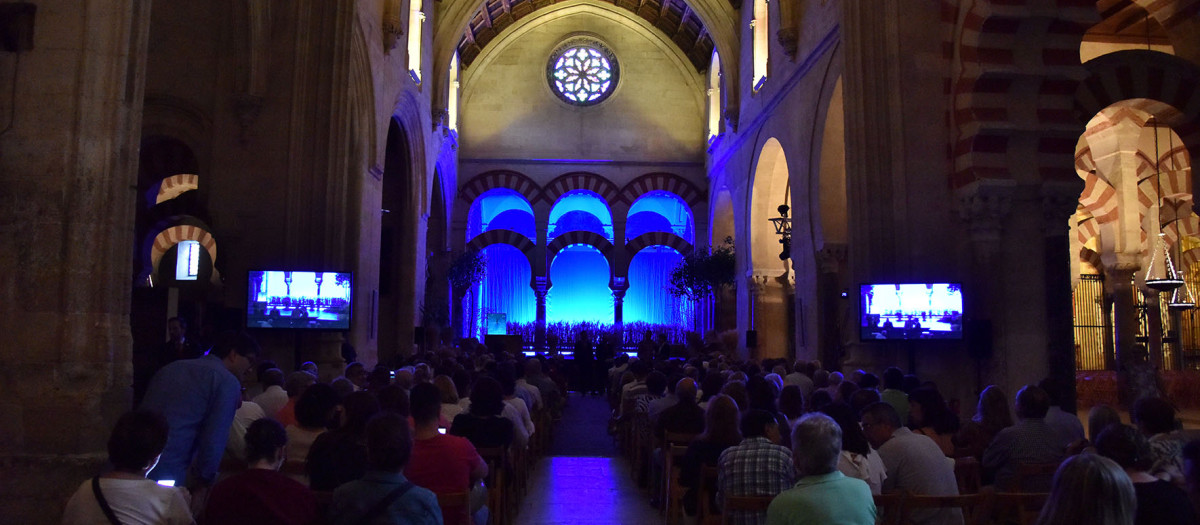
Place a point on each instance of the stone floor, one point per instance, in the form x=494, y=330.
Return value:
x=584, y=491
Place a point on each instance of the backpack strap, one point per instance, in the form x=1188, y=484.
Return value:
x=384, y=503
x=108, y=512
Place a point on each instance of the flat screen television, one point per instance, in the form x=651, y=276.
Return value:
x=911, y=311
x=299, y=300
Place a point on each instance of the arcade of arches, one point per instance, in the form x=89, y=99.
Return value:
x=1035, y=153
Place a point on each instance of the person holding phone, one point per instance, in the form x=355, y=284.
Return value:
x=123, y=495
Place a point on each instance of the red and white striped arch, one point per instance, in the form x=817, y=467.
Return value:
x=173, y=186
x=499, y=179
x=668, y=182
x=581, y=180
x=170, y=236
x=509, y=237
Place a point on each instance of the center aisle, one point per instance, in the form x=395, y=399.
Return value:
x=581, y=481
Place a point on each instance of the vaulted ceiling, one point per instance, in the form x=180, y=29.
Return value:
x=672, y=17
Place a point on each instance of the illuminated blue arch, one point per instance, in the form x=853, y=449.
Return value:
x=649, y=279
x=580, y=210
x=501, y=209
x=660, y=211
x=505, y=288
x=580, y=292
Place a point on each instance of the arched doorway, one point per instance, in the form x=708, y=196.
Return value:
x=770, y=278
x=397, y=256
x=435, y=309
x=834, y=311
x=724, y=231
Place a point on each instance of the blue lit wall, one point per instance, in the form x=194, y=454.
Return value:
x=579, y=292
x=580, y=210
x=500, y=209
x=647, y=299
x=505, y=289
x=659, y=211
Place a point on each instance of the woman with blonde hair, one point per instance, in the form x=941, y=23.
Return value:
x=1091, y=489
x=991, y=416
x=451, y=404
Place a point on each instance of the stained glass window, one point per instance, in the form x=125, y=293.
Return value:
x=582, y=72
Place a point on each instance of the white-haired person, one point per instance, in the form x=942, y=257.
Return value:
x=823, y=494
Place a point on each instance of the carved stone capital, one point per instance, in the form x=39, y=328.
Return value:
x=984, y=205
x=393, y=29
x=1060, y=200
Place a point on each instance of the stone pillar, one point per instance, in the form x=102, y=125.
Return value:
x=835, y=328
x=541, y=287
x=1059, y=202
x=1118, y=280
x=66, y=227
x=770, y=317
x=619, y=306
x=984, y=206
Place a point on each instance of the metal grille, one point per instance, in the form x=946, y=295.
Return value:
x=1090, y=323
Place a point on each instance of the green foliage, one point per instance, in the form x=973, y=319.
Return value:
x=467, y=270
x=699, y=274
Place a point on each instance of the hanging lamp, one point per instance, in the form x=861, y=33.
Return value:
x=1170, y=280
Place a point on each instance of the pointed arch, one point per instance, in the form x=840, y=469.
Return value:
x=506, y=179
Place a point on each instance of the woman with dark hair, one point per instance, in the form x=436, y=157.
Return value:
x=991, y=416
x=858, y=459
x=1091, y=489
x=261, y=494
x=710, y=386
x=384, y=494
x=482, y=424
x=1159, y=502
x=340, y=455
x=791, y=404
x=134, y=447
x=316, y=412
x=929, y=415
x=721, y=431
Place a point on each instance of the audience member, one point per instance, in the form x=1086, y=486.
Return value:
x=818, y=400
x=356, y=373
x=261, y=494
x=736, y=389
x=656, y=407
x=913, y=463
x=858, y=459
x=273, y=397
x=340, y=455
x=685, y=417
x=710, y=386
x=525, y=391
x=991, y=416
x=791, y=404
x=1155, y=417
x=757, y=466
x=864, y=398
x=297, y=383
x=801, y=377
x=548, y=389
x=1066, y=425
x=1100, y=417
x=823, y=494
x=721, y=431
x=198, y=397
x=1030, y=440
x=1090, y=489
x=384, y=495
x=515, y=410
x=394, y=399
x=1191, y=473
x=235, y=446
x=482, y=424
x=134, y=447
x=893, y=391
x=928, y=415
x=1159, y=502
x=445, y=464
x=316, y=412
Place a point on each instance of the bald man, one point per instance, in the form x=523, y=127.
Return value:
x=686, y=417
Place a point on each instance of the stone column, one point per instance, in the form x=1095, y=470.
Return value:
x=67, y=199
x=1059, y=202
x=541, y=286
x=618, y=294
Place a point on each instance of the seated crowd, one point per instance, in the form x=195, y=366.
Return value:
x=709, y=436
x=790, y=443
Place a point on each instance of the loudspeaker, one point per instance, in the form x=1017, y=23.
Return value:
x=751, y=339
x=977, y=334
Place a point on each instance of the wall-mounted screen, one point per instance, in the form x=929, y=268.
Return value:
x=911, y=311
x=299, y=300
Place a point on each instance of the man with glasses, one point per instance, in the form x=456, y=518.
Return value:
x=198, y=397
x=914, y=463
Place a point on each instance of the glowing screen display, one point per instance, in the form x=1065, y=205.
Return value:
x=911, y=311
x=306, y=300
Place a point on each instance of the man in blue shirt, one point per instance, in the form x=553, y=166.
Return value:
x=198, y=398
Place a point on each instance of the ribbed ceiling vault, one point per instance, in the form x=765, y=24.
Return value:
x=672, y=17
